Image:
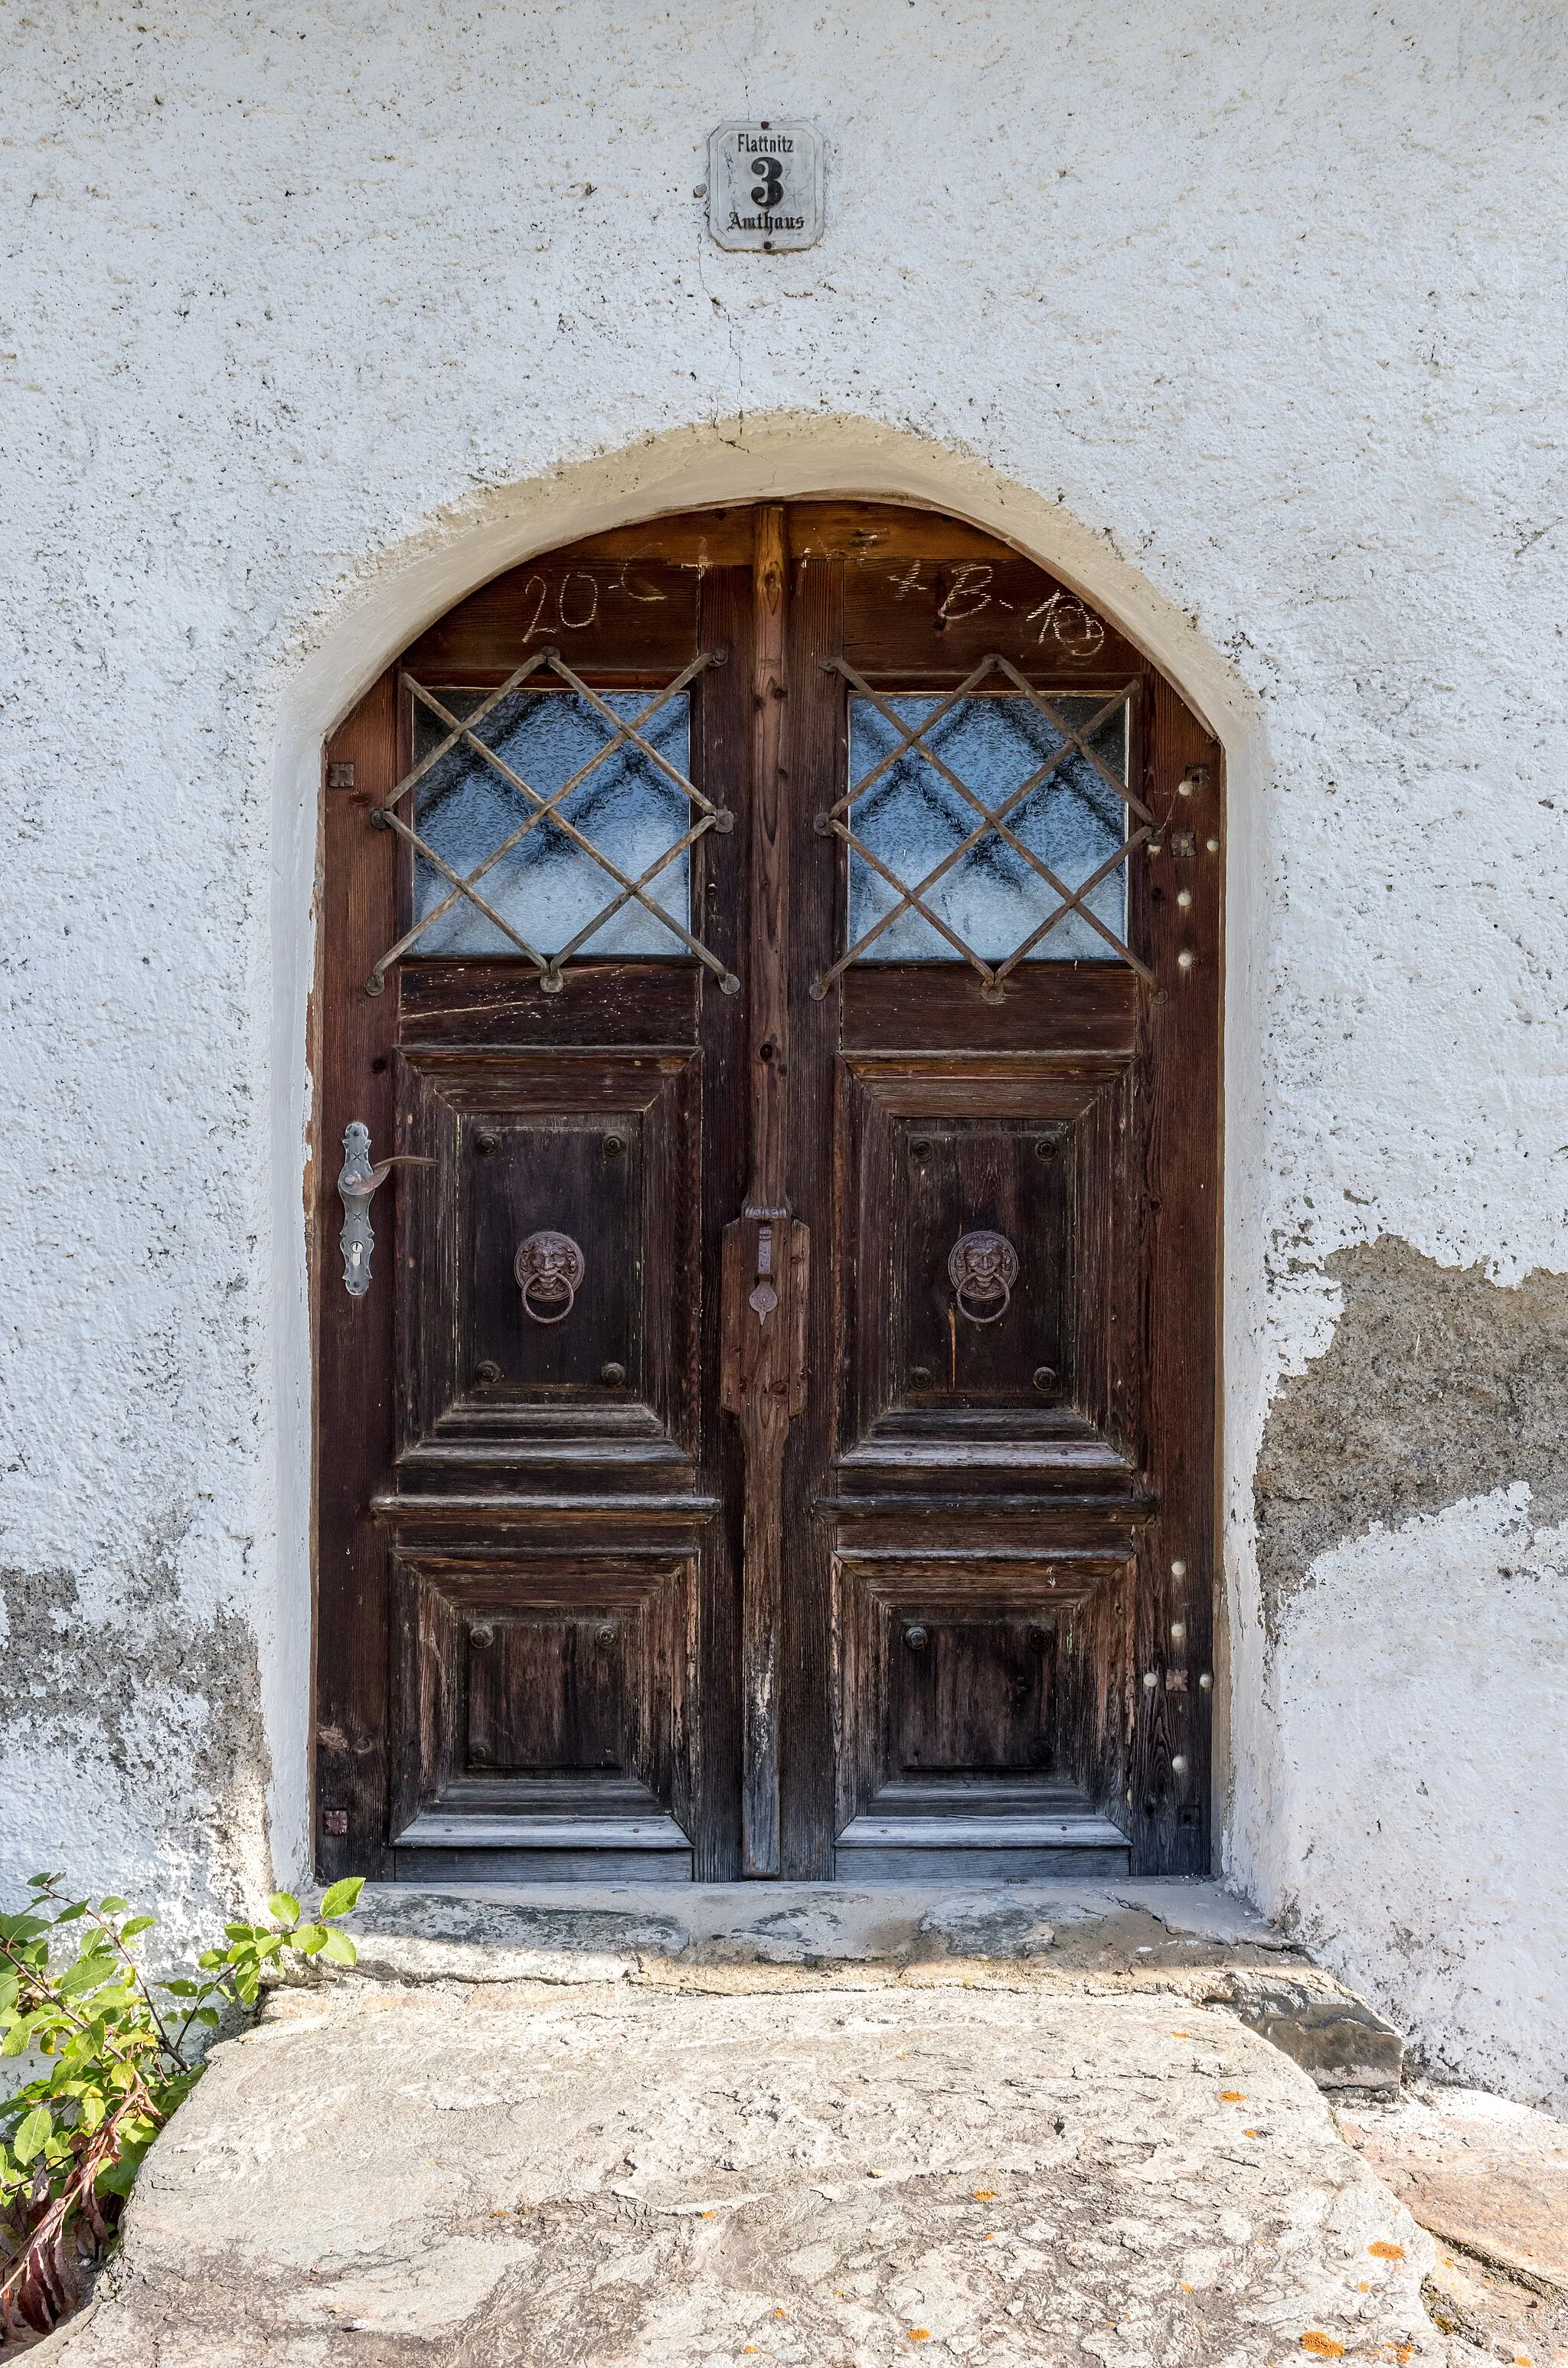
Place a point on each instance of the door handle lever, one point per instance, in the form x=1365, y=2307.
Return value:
x=358, y=1182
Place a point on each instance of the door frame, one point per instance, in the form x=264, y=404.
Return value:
x=322, y=1250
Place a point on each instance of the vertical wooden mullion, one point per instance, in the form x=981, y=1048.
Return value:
x=1172, y=1201
x=355, y=1336
x=724, y=718
x=807, y=1681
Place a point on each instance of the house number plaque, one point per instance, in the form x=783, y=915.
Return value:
x=765, y=187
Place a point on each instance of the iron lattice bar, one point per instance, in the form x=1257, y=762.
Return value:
x=912, y=740
x=465, y=732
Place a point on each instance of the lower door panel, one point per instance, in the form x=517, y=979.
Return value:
x=544, y=1720
x=983, y=1714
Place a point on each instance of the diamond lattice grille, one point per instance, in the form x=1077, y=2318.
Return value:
x=983, y=823
x=548, y=812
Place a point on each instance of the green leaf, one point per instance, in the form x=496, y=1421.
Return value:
x=135, y=1924
x=88, y=1972
x=69, y=1915
x=22, y=1928
x=111, y=1907
x=342, y=1897
x=206, y=2014
x=210, y=1957
x=340, y=1948
x=34, y=2133
x=120, y=2177
x=283, y=1908
x=241, y=1932
x=180, y=1989
x=308, y=1939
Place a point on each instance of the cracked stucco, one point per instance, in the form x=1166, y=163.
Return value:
x=1411, y=1500
x=144, y=1711
x=1439, y=1383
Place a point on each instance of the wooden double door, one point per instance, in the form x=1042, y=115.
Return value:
x=768, y=1424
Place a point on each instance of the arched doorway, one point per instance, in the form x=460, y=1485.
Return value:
x=773, y=1431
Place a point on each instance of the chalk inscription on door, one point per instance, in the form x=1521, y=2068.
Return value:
x=765, y=185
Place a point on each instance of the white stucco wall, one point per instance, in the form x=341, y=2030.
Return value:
x=1249, y=320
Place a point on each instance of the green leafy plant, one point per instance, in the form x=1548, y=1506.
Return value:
x=123, y=2051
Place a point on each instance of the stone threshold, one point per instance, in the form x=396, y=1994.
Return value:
x=1174, y=1935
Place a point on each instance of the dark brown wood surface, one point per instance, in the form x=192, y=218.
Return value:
x=639, y=1592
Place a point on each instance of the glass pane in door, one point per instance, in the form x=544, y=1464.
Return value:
x=913, y=817
x=547, y=885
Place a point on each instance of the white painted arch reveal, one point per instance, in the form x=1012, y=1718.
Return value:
x=397, y=592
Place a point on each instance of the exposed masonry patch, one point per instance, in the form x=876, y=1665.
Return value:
x=1438, y=1384
x=167, y=1700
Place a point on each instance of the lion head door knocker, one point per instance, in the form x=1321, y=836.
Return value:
x=549, y=1269
x=983, y=1268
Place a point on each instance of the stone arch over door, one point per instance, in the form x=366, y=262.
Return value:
x=950, y=1612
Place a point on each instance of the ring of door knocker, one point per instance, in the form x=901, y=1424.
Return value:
x=549, y=1268
x=982, y=1268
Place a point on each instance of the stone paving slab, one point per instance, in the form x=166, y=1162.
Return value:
x=1486, y=2174
x=1490, y=2180
x=716, y=2163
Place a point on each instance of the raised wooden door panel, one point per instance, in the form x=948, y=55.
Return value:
x=982, y=1696
x=544, y=1712
x=978, y=1250
x=551, y=1293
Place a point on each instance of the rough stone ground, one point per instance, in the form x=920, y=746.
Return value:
x=818, y=2130
x=807, y=2167
x=1490, y=2180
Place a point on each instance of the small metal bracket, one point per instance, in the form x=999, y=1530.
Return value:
x=358, y=1183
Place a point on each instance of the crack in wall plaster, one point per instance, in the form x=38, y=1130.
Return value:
x=1438, y=1384
x=144, y=1696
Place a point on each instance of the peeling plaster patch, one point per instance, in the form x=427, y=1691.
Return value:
x=131, y=1706
x=1418, y=1800
x=1438, y=1384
